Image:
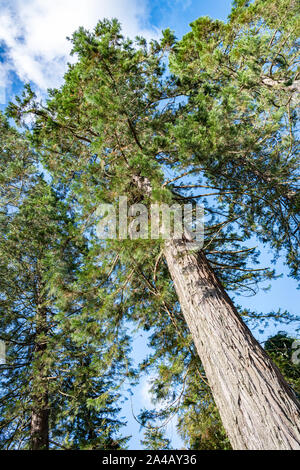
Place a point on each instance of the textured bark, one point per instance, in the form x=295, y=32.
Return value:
x=294, y=88
x=39, y=427
x=257, y=407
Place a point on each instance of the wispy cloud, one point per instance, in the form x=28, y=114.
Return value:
x=5, y=82
x=170, y=425
x=34, y=33
x=146, y=396
x=184, y=4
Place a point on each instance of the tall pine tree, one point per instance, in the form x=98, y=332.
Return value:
x=106, y=133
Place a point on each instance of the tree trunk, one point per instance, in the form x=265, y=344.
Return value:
x=258, y=409
x=39, y=427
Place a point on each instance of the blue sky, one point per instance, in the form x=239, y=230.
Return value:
x=178, y=14
x=33, y=47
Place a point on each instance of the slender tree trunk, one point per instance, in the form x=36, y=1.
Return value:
x=258, y=409
x=39, y=427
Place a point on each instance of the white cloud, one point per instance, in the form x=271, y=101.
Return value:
x=170, y=427
x=185, y=4
x=146, y=396
x=5, y=82
x=34, y=32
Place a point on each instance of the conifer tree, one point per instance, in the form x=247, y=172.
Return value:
x=106, y=133
x=154, y=440
x=239, y=135
x=58, y=389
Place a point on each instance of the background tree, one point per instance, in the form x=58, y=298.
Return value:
x=154, y=440
x=280, y=348
x=57, y=389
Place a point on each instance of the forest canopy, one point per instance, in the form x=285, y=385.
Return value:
x=209, y=119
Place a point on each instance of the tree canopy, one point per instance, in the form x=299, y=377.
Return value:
x=218, y=111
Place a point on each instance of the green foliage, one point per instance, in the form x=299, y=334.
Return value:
x=226, y=120
x=51, y=366
x=280, y=348
x=239, y=125
x=154, y=440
